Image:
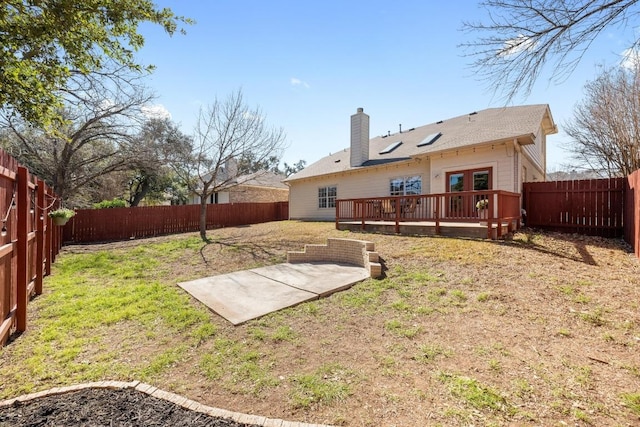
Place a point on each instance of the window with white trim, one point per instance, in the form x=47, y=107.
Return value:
x=327, y=197
x=405, y=186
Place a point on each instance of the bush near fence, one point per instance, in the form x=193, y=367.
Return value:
x=102, y=225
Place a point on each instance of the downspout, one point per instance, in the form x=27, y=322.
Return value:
x=517, y=179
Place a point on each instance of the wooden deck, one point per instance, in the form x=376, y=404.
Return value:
x=428, y=228
x=461, y=214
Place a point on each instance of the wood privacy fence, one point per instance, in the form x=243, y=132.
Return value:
x=100, y=225
x=593, y=207
x=597, y=207
x=632, y=212
x=28, y=242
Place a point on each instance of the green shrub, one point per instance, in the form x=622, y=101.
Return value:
x=106, y=204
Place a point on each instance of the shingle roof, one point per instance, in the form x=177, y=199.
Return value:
x=262, y=179
x=478, y=128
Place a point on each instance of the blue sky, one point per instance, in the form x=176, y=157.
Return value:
x=310, y=64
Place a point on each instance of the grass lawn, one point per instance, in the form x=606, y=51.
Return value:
x=539, y=329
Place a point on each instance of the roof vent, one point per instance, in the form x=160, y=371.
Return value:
x=473, y=114
x=439, y=122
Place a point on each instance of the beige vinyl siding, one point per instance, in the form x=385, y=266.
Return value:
x=533, y=173
x=535, y=169
x=536, y=152
x=500, y=158
x=366, y=182
x=303, y=199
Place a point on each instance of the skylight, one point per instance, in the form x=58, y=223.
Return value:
x=391, y=147
x=430, y=139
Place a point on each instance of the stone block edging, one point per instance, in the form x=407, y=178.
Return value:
x=164, y=395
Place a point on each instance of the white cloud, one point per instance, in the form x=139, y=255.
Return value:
x=630, y=59
x=516, y=45
x=106, y=104
x=155, y=111
x=248, y=115
x=297, y=82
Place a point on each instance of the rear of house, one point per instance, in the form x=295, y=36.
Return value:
x=492, y=149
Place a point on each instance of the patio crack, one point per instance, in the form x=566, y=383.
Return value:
x=285, y=283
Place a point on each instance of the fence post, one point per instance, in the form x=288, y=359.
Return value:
x=40, y=214
x=47, y=230
x=21, y=249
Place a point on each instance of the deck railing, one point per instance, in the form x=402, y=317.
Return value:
x=491, y=206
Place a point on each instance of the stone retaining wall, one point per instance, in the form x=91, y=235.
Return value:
x=348, y=251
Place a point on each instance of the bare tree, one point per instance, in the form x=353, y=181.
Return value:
x=225, y=132
x=521, y=36
x=103, y=114
x=605, y=128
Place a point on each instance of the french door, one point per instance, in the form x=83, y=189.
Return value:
x=466, y=180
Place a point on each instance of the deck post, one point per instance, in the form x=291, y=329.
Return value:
x=397, y=211
x=337, y=214
x=437, y=213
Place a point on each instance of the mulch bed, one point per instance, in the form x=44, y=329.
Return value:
x=106, y=407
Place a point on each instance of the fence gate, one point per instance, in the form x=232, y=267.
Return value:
x=594, y=207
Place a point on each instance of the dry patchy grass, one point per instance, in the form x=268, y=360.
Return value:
x=539, y=329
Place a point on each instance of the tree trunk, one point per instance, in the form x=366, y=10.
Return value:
x=139, y=193
x=203, y=218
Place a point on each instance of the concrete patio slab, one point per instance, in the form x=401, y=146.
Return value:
x=320, y=278
x=249, y=294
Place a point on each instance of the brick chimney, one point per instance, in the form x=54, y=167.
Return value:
x=359, y=138
x=230, y=168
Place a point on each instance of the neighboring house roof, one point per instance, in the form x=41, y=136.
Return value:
x=262, y=179
x=474, y=129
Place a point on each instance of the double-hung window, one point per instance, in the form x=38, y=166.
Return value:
x=327, y=197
